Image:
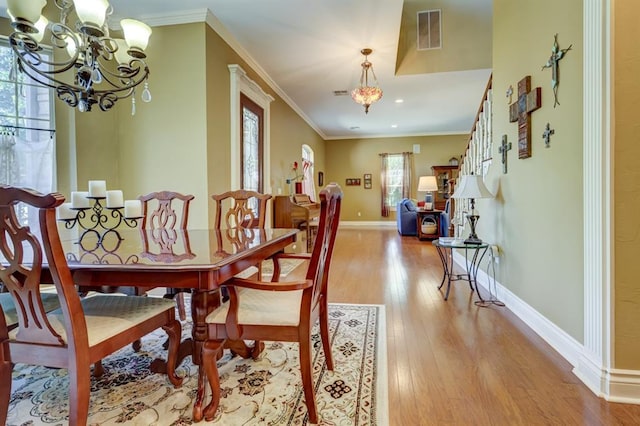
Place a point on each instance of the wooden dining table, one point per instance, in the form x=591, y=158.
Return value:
x=195, y=260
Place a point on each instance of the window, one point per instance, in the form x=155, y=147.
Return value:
x=27, y=145
x=243, y=87
x=308, y=184
x=252, y=143
x=395, y=179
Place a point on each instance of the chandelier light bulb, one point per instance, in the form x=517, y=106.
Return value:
x=121, y=54
x=41, y=26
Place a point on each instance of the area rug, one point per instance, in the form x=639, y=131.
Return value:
x=267, y=391
x=286, y=267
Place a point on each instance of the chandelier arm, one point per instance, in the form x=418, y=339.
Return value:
x=375, y=79
x=127, y=86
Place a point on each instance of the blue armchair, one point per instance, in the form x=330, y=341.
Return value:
x=445, y=219
x=406, y=217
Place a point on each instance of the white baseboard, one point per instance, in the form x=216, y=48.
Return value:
x=614, y=385
x=378, y=224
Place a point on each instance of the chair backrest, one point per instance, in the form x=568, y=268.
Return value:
x=159, y=210
x=330, y=201
x=246, y=209
x=23, y=255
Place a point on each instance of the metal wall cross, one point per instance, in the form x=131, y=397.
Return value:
x=502, y=149
x=548, y=131
x=556, y=55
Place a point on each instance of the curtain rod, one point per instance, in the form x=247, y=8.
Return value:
x=10, y=126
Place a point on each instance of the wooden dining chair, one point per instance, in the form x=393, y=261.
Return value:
x=166, y=211
x=241, y=209
x=279, y=311
x=83, y=330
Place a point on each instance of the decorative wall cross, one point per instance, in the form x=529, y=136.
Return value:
x=556, y=55
x=509, y=93
x=502, y=149
x=520, y=111
x=548, y=131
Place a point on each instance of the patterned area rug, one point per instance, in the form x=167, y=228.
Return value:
x=286, y=266
x=267, y=391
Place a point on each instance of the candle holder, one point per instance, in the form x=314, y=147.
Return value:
x=99, y=221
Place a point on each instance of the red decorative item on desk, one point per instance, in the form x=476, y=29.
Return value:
x=298, y=187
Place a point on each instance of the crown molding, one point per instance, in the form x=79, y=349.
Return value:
x=205, y=15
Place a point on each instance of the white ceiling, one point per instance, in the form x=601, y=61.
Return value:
x=310, y=48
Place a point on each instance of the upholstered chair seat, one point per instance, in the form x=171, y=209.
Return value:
x=262, y=307
x=106, y=315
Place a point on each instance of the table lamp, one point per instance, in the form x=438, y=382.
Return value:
x=472, y=187
x=428, y=184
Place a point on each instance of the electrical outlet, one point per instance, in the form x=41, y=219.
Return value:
x=495, y=252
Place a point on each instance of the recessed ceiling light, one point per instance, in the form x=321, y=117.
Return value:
x=399, y=101
x=394, y=126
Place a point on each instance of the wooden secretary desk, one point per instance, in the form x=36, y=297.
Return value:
x=445, y=176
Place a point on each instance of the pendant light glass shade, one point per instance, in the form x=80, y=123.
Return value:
x=137, y=35
x=28, y=10
x=92, y=12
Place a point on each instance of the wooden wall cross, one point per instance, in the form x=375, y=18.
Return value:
x=502, y=149
x=520, y=111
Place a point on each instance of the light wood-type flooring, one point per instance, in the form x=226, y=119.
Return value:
x=451, y=362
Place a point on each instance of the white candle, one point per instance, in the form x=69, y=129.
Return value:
x=65, y=212
x=132, y=208
x=114, y=199
x=97, y=188
x=79, y=199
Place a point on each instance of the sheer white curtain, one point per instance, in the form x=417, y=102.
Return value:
x=27, y=164
x=308, y=184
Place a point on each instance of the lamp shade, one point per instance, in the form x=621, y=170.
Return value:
x=28, y=10
x=92, y=11
x=136, y=33
x=427, y=183
x=471, y=186
x=121, y=54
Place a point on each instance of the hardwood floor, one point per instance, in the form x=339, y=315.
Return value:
x=451, y=362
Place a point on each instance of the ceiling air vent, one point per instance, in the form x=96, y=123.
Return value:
x=340, y=92
x=429, y=29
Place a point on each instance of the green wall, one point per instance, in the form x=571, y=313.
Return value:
x=352, y=158
x=536, y=216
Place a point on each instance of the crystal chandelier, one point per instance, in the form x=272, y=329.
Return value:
x=365, y=94
x=103, y=69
